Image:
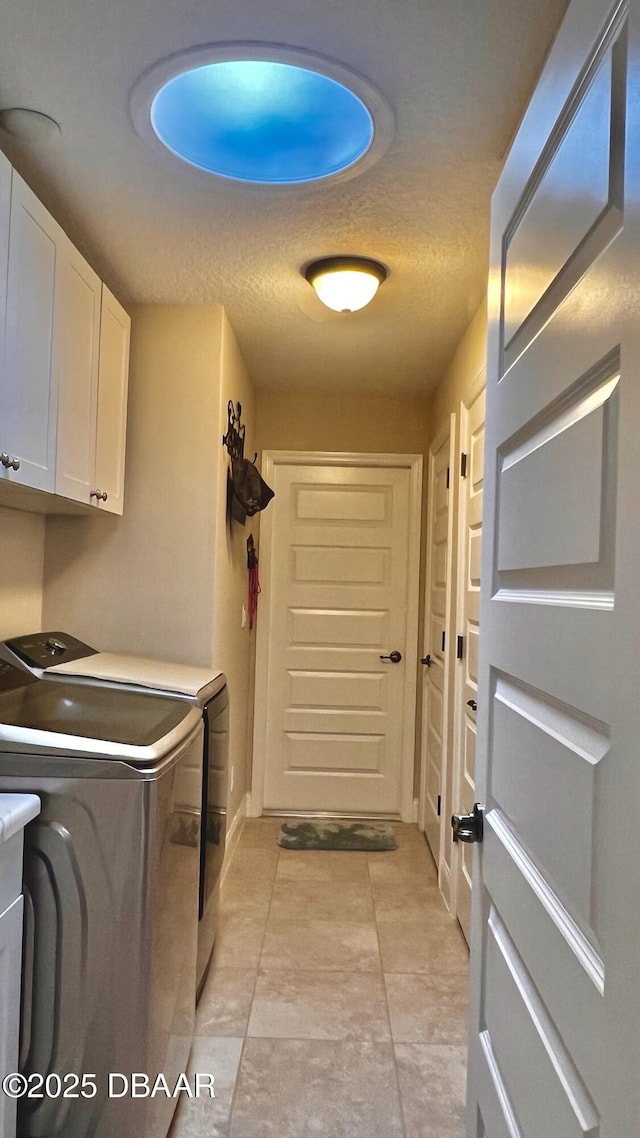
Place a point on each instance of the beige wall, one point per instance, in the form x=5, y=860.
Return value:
x=22, y=539
x=168, y=578
x=467, y=363
x=143, y=583
x=295, y=420
x=233, y=645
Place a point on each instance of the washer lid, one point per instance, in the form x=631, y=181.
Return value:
x=160, y=675
x=88, y=721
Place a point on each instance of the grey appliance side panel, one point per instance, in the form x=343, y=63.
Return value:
x=172, y=897
x=216, y=786
x=111, y=873
x=83, y=866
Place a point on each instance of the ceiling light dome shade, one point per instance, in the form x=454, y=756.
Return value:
x=345, y=284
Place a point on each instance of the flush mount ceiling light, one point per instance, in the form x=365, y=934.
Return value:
x=28, y=126
x=262, y=114
x=345, y=284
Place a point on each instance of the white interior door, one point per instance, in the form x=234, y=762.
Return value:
x=334, y=720
x=439, y=593
x=5, y=211
x=555, y=1036
x=471, y=483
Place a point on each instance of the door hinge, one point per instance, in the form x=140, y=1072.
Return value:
x=444, y=638
x=463, y=465
x=448, y=474
x=439, y=804
x=460, y=647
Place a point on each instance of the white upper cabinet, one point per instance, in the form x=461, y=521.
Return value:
x=28, y=382
x=64, y=364
x=5, y=206
x=76, y=349
x=112, y=404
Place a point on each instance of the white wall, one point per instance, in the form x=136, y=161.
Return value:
x=21, y=580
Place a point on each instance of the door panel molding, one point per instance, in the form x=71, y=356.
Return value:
x=556, y=894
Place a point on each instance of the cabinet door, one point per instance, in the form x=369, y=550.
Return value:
x=5, y=204
x=28, y=390
x=10, y=974
x=76, y=351
x=113, y=382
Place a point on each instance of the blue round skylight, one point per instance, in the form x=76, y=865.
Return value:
x=264, y=122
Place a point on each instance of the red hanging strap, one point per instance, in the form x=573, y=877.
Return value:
x=254, y=590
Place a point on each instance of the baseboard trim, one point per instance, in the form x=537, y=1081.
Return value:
x=253, y=811
x=444, y=882
x=233, y=835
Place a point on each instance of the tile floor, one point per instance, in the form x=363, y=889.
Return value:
x=336, y=1002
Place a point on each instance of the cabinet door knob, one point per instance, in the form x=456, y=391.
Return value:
x=104, y=495
x=8, y=462
x=99, y=495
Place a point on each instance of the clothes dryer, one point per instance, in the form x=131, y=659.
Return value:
x=110, y=883
x=61, y=656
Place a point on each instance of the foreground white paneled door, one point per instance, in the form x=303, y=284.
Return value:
x=439, y=599
x=339, y=555
x=471, y=483
x=555, y=1036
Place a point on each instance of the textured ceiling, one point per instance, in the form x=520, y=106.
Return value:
x=457, y=74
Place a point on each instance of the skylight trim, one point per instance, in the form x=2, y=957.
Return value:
x=156, y=78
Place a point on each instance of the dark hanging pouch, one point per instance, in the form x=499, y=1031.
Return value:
x=250, y=492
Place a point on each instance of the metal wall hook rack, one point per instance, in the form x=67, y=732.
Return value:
x=234, y=438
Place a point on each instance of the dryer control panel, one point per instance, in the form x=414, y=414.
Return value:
x=44, y=649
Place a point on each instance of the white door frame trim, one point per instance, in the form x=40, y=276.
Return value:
x=470, y=395
x=413, y=463
x=448, y=429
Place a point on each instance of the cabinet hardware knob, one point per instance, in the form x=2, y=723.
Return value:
x=395, y=657
x=426, y=660
x=104, y=495
x=8, y=462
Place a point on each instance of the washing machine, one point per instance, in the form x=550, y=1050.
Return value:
x=60, y=656
x=110, y=883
